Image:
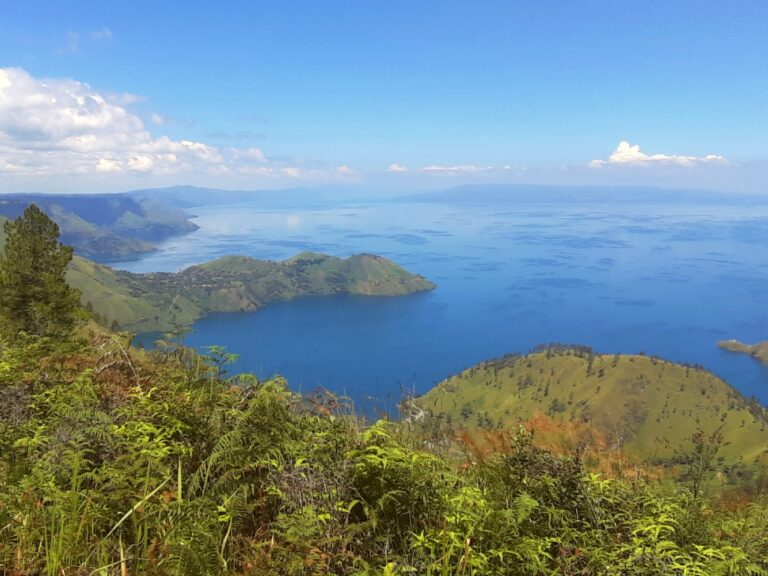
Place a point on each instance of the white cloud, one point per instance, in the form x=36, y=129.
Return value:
x=459, y=169
x=397, y=168
x=254, y=154
x=59, y=127
x=103, y=34
x=627, y=154
x=65, y=127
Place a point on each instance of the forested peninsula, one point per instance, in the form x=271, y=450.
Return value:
x=165, y=300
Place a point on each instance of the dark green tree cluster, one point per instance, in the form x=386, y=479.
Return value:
x=125, y=462
x=34, y=295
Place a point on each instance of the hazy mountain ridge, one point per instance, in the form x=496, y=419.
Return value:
x=105, y=226
x=187, y=196
x=506, y=193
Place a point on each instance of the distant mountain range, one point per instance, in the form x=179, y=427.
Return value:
x=123, y=226
x=105, y=227
x=111, y=227
x=193, y=196
x=511, y=193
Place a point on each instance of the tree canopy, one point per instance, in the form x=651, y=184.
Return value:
x=34, y=295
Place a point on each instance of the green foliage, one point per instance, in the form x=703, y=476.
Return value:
x=34, y=295
x=115, y=461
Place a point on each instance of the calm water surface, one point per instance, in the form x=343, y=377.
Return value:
x=668, y=280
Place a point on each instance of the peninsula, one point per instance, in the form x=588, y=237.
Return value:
x=165, y=301
x=758, y=351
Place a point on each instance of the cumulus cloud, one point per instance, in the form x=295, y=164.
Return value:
x=63, y=127
x=55, y=127
x=397, y=168
x=627, y=154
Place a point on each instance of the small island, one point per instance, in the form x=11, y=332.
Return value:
x=758, y=351
x=167, y=300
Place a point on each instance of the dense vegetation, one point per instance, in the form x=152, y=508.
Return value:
x=116, y=461
x=165, y=301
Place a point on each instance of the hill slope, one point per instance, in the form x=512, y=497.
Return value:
x=163, y=301
x=649, y=406
x=104, y=226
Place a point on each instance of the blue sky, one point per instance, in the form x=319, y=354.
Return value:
x=395, y=94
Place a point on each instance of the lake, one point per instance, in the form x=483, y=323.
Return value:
x=668, y=279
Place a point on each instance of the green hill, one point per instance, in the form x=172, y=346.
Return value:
x=163, y=301
x=647, y=406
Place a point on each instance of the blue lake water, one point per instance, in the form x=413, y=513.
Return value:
x=666, y=279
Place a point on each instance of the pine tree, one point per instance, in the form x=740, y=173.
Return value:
x=34, y=295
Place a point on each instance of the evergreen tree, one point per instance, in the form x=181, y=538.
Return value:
x=34, y=295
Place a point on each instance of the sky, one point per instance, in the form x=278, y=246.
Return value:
x=397, y=94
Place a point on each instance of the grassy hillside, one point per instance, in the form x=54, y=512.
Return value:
x=163, y=301
x=650, y=407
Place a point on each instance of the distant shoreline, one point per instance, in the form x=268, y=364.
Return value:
x=758, y=351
